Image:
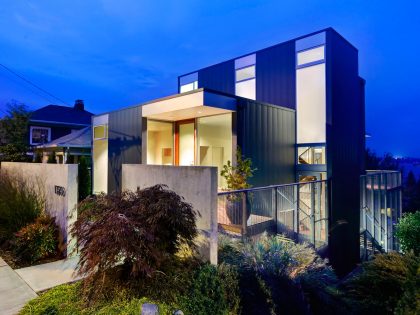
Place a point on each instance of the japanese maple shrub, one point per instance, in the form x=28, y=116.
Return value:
x=137, y=232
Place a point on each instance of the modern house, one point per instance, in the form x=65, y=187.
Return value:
x=296, y=109
x=53, y=121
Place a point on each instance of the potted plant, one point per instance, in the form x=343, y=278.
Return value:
x=236, y=177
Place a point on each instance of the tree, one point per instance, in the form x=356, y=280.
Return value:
x=411, y=193
x=387, y=162
x=408, y=232
x=372, y=160
x=14, y=135
x=237, y=176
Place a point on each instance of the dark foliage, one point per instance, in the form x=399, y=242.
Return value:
x=37, y=240
x=38, y=157
x=85, y=186
x=387, y=162
x=14, y=133
x=137, y=231
x=411, y=193
x=381, y=285
x=207, y=294
x=408, y=232
x=20, y=204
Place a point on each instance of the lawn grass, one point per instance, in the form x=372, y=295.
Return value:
x=66, y=299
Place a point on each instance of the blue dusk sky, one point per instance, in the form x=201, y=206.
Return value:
x=114, y=54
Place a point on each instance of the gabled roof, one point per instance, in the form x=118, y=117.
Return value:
x=77, y=139
x=56, y=114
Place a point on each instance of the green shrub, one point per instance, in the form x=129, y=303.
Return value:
x=85, y=188
x=37, y=240
x=21, y=203
x=381, y=284
x=68, y=299
x=408, y=232
x=207, y=294
x=237, y=176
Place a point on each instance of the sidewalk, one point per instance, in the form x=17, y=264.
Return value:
x=14, y=291
x=46, y=276
x=19, y=286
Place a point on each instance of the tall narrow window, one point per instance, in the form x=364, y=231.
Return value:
x=311, y=56
x=245, y=77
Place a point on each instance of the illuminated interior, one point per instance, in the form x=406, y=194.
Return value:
x=160, y=143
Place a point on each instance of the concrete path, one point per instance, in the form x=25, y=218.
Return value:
x=14, y=291
x=46, y=276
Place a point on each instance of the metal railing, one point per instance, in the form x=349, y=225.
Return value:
x=298, y=210
x=380, y=208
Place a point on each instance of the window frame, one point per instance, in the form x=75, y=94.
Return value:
x=39, y=127
x=312, y=63
x=105, y=132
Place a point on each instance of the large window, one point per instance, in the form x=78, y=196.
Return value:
x=214, y=142
x=160, y=143
x=311, y=155
x=245, y=77
x=40, y=135
x=311, y=104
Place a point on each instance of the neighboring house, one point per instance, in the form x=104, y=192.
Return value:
x=69, y=148
x=297, y=109
x=53, y=121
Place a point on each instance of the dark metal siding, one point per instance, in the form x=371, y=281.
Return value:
x=124, y=143
x=276, y=75
x=220, y=77
x=345, y=150
x=266, y=134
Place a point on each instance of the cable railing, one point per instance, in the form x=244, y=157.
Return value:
x=298, y=210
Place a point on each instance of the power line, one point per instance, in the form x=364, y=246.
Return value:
x=33, y=84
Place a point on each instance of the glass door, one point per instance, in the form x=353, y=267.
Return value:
x=185, y=142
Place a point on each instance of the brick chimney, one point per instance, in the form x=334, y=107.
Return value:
x=79, y=105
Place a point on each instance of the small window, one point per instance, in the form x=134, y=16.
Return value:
x=245, y=73
x=100, y=132
x=40, y=135
x=188, y=87
x=311, y=155
x=310, y=56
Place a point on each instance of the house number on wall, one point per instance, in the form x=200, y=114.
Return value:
x=60, y=191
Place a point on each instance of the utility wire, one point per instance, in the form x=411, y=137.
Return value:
x=29, y=88
x=33, y=84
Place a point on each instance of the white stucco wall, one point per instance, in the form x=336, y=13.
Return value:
x=197, y=184
x=48, y=176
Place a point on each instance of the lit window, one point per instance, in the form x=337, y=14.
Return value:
x=310, y=56
x=188, y=87
x=311, y=155
x=188, y=82
x=100, y=132
x=245, y=73
x=245, y=79
x=40, y=135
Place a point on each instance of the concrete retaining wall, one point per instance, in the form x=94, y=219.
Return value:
x=59, y=184
x=197, y=184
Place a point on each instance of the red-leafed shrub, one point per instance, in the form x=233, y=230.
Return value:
x=37, y=240
x=135, y=231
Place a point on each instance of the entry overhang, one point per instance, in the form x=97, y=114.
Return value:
x=198, y=103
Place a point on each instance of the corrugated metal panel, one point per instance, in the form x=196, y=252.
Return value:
x=345, y=150
x=276, y=75
x=220, y=77
x=124, y=143
x=266, y=134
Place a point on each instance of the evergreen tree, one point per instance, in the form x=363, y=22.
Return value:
x=84, y=179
